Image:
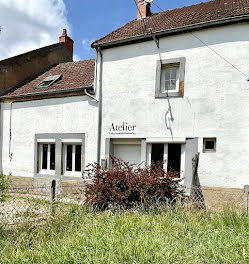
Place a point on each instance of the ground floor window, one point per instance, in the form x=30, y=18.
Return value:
x=72, y=158
x=59, y=155
x=167, y=155
x=157, y=154
x=47, y=157
x=174, y=157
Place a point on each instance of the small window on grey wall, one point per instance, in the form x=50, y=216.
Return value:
x=209, y=144
x=170, y=76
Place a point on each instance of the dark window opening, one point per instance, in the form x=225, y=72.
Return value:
x=45, y=84
x=209, y=144
x=174, y=157
x=157, y=154
x=69, y=157
x=52, y=157
x=78, y=158
x=44, y=156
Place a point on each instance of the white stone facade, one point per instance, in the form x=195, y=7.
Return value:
x=215, y=102
x=59, y=115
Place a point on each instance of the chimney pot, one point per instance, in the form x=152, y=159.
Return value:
x=64, y=32
x=67, y=40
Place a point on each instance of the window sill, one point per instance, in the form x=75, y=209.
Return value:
x=47, y=172
x=72, y=174
x=169, y=95
x=209, y=151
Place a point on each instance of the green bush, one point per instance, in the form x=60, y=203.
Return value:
x=4, y=186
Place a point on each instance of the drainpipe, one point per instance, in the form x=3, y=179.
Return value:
x=10, y=132
x=89, y=95
x=100, y=104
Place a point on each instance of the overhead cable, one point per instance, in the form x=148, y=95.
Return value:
x=227, y=61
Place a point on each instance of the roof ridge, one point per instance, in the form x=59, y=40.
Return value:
x=197, y=14
x=153, y=14
x=115, y=30
x=177, y=8
x=75, y=62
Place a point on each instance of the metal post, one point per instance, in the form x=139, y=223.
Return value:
x=246, y=195
x=52, y=195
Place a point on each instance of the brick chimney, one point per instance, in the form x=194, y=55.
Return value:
x=143, y=9
x=67, y=40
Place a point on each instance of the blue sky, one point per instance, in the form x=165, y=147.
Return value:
x=92, y=19
x=31, y=24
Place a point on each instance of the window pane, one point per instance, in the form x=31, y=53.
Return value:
x=78, y=158
x=172, y=85
x=69, y=157
x=44, y=156
x=209, y=145
x=173, y=74
x=52, y=157
x=167, y=74
x=167, y=85
x=45, y=83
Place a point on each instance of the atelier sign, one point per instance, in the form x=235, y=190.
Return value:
x=123, y=128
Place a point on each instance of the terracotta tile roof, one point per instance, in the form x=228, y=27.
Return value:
x=180, y=17
x=74, y=75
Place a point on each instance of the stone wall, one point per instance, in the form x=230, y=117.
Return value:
x=17, y=70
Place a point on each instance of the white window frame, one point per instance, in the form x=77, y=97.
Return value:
x=73, y=172
x=163, y=79
x=165, y=154
x=48, y=170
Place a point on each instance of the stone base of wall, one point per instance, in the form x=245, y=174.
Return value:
x=215, y=198
x=21, y=181
x=41, y=187
x=39, y=182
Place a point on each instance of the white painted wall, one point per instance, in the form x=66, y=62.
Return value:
x=59, y=115
x=215, y=103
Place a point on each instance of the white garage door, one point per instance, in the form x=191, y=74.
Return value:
x=130, y=153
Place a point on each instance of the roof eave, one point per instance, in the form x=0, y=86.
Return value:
x=61, y=91
x=144, y=37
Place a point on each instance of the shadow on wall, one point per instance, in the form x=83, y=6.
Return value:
x=181, y=42
x=169, y=118
x=54, y=101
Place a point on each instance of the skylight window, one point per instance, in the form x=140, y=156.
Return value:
x=48, y=81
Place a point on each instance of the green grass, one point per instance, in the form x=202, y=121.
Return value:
x=83, y=236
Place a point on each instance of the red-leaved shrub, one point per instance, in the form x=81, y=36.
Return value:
x=124, y=185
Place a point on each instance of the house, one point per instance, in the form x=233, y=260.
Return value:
x=175, y=84
x=46, y=121
x=20, y=69
x=164, y=86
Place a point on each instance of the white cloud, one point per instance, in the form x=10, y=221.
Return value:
x=76, y=57
x=30, y=24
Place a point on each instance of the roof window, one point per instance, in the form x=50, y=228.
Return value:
x=48, y=81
